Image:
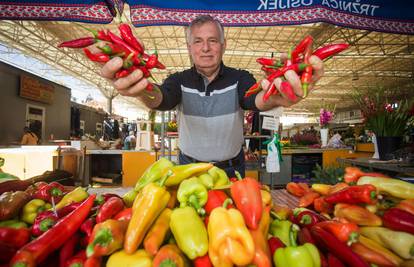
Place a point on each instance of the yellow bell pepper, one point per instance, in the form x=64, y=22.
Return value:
x=149, y=203
x=76, y=195
x=177, y=174
x=230, y=240
x=33, y=208
x=139, y=258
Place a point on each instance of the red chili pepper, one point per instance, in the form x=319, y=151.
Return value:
x=334, y=261
x=301, y=47
x=145, y=71
x=306, y=77
x=248, y=200
x=252, y=90
x=149, y=87
x=203, y=261
x=306, y=218
x=274, y=244
x=78, y=260
x=124, y=215
x=38, y=249
x=109, y=209
x=128, y=36
x=14, y=237
x=356, y=194
x=399, y=220
x=47, y=191
x=62, y=212
x=159, y=65
x=128, y=63
x=152, y=61
x=78, y=43
x=215, y=199
x=121, y=73
x=98, y=57
x=100, y=35
x=113, y=49
x=117, y=40
x=68, y=249
x=271, y=91
x=269, y=62
x=326, y=241
x=346, y=232
x=43, y=222
x=304, y=236
x=287, y=91
x=87, y=227
x=329, y=50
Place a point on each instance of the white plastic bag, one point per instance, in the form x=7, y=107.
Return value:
x=272, y=159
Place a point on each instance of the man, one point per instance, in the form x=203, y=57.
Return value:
x=29, y=137
x=209, y=97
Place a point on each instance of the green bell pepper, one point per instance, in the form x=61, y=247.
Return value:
x=306, y=255
x=153, y=173
x=192, y=192
x=282, y=229
x=215, y=177
x=189, y=232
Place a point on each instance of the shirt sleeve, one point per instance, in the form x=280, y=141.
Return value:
x=171, y=93
x=246, y=80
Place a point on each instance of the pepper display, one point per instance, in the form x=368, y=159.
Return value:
x=262, y=256
x=33, y=208
x=230, y=241
x=181, y=172
x=157, y=233
x=192, y=192
x=282, y=229
x=169, y=255
x=215, y=177
x=68, y=249
x=306, y=218
x=47, y=192
x=109, y=209
x=43, y=222
x=378, y=252
x=357, y=194
x=357, y=214
x=153, y=173
x=139, y=258
x=38, y=249
x=247, y=198
x=394, y=187
x=399, y=220
x=215, y=198
x=346, y=232
x=14, y=237
x=77, y=195
x=189, y=232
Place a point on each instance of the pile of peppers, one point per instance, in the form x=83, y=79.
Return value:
x=195, y=215
x=366, y=220
x=126, y=46
x=298, y=61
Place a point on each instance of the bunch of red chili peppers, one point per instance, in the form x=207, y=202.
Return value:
x=127, y=47
x=298, y=61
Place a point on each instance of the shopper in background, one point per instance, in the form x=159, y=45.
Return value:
x=29, y=137
x=209, y=97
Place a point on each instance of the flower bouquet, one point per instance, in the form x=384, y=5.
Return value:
x=325, y=117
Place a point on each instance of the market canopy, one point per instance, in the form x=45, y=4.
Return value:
x=375, y=58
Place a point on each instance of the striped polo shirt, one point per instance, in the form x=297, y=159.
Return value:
x=209, y=115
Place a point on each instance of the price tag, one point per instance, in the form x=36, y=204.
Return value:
x=270, y=123
x=276, y=112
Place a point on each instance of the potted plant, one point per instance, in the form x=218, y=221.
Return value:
x=325, y=117
x=387, y=113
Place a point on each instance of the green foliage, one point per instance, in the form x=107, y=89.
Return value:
x=328, y=175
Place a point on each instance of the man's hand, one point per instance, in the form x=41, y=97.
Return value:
x=294, y=79
x=132, y=85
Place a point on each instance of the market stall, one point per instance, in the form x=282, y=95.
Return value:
x=310, y=210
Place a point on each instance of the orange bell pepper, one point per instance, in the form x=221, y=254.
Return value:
x=157, y=233
x=262, y=257
x=357, y=214
x=297, y=189
x=149, y=203
x=346, y=232
x=230, y=241
x=307, y=199
x=169, y=255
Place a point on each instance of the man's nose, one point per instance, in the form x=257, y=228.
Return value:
x=206, y=46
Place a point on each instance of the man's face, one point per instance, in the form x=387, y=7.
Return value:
x=205, y=47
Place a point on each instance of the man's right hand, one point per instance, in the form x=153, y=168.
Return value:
x=132, y=85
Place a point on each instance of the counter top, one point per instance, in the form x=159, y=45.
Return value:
x=113, y=152
x=287, y=151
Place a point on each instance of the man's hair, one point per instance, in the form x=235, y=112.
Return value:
x=202, y=19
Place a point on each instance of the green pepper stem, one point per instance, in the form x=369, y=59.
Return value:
x=45, y=224
x=103, y=237
x=306, y=219
x=227, y=202
x=373, y=195
x=193, y=200
x=292, y=235
x=168, y=263
x=165, y=178
x=94, y=32
x=412, y=250
x=238, y=176
x=353, y=238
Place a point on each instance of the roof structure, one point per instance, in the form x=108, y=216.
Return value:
x=373, y=59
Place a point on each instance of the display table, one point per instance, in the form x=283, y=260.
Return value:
x=372, y=164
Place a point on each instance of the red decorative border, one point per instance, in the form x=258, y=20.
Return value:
x=98, y=13
x=144, y=16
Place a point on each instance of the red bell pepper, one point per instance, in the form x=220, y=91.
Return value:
x=124, y=215
x=203, y=261
x=215, y=199
x=78, y=260
x=306, y=218
x=399, y=220
x=43, y=222
x=248, y=199
x=38, y=249
x=356, y=194
x=48, y=191
x=110, y=208
x=327, y=241
x=93, y=262
x=274, y=244
x=346, y=232
x=68, y=249
x=14, y=237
